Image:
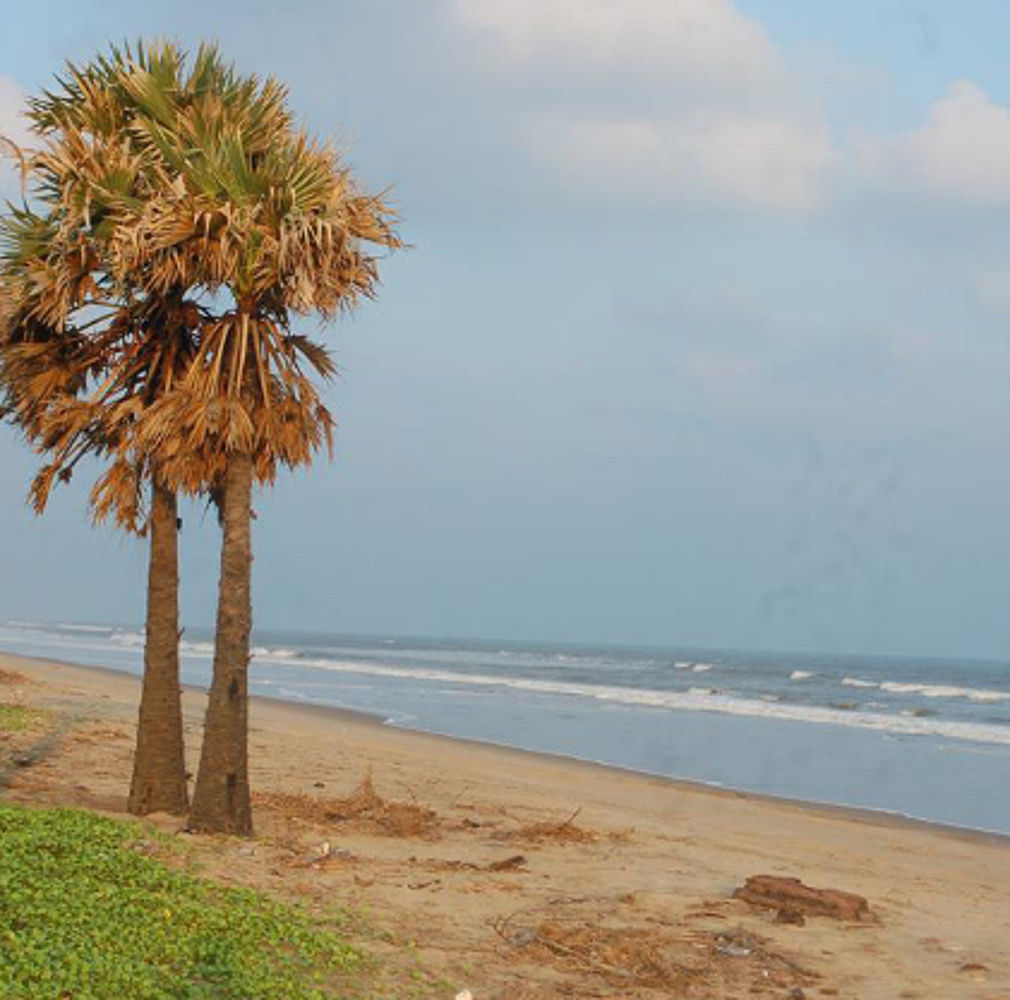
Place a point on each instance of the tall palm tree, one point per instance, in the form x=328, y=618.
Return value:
x=247, y=208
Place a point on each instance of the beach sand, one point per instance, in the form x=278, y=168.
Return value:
x=624, y=884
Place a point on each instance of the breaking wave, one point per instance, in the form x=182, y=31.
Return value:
x=697, y=699
x=931, y=690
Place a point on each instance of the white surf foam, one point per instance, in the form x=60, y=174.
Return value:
x=196, y=648
x=699, y=699
x=983, y=695
x=264, y=653
x=129, y=638
x=944, y=691
x=800, y=675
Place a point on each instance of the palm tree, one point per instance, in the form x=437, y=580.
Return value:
x=241, y=205
x=277, y=221
x=47, y=360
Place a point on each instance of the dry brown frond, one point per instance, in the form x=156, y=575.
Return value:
x=563, y=832
x=363, y=810
x=149, y=190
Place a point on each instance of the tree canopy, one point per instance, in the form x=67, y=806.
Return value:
x=177, y=220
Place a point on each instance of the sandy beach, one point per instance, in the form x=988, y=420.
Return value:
x=521, y=875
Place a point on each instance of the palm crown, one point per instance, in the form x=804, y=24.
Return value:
x=158, y=185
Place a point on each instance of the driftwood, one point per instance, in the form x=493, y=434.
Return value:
x=791, y=897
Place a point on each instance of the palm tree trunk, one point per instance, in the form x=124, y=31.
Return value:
x=159, y=763
x=221, y=801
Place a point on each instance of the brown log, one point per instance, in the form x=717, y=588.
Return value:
x=790, y=894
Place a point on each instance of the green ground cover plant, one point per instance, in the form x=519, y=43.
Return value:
x=86, y=914
x=17, y=719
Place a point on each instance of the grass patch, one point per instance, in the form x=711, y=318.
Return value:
x=85, y=914
x=18, y=719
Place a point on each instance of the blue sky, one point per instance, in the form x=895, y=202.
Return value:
x=702, y=338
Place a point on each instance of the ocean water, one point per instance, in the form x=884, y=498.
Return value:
x=928, y=738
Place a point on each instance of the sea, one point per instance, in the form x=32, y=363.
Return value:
x=916, y=736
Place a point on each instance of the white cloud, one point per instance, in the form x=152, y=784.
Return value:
x=688, y=101
x=751, y=161
x=706, y=39
x=960, y=154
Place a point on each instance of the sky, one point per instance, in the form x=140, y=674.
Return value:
x=702, y=336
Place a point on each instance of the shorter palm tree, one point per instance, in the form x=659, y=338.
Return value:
x=47, y=377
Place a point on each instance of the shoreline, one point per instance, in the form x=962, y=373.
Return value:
x=876, y=817
x=473, y=849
